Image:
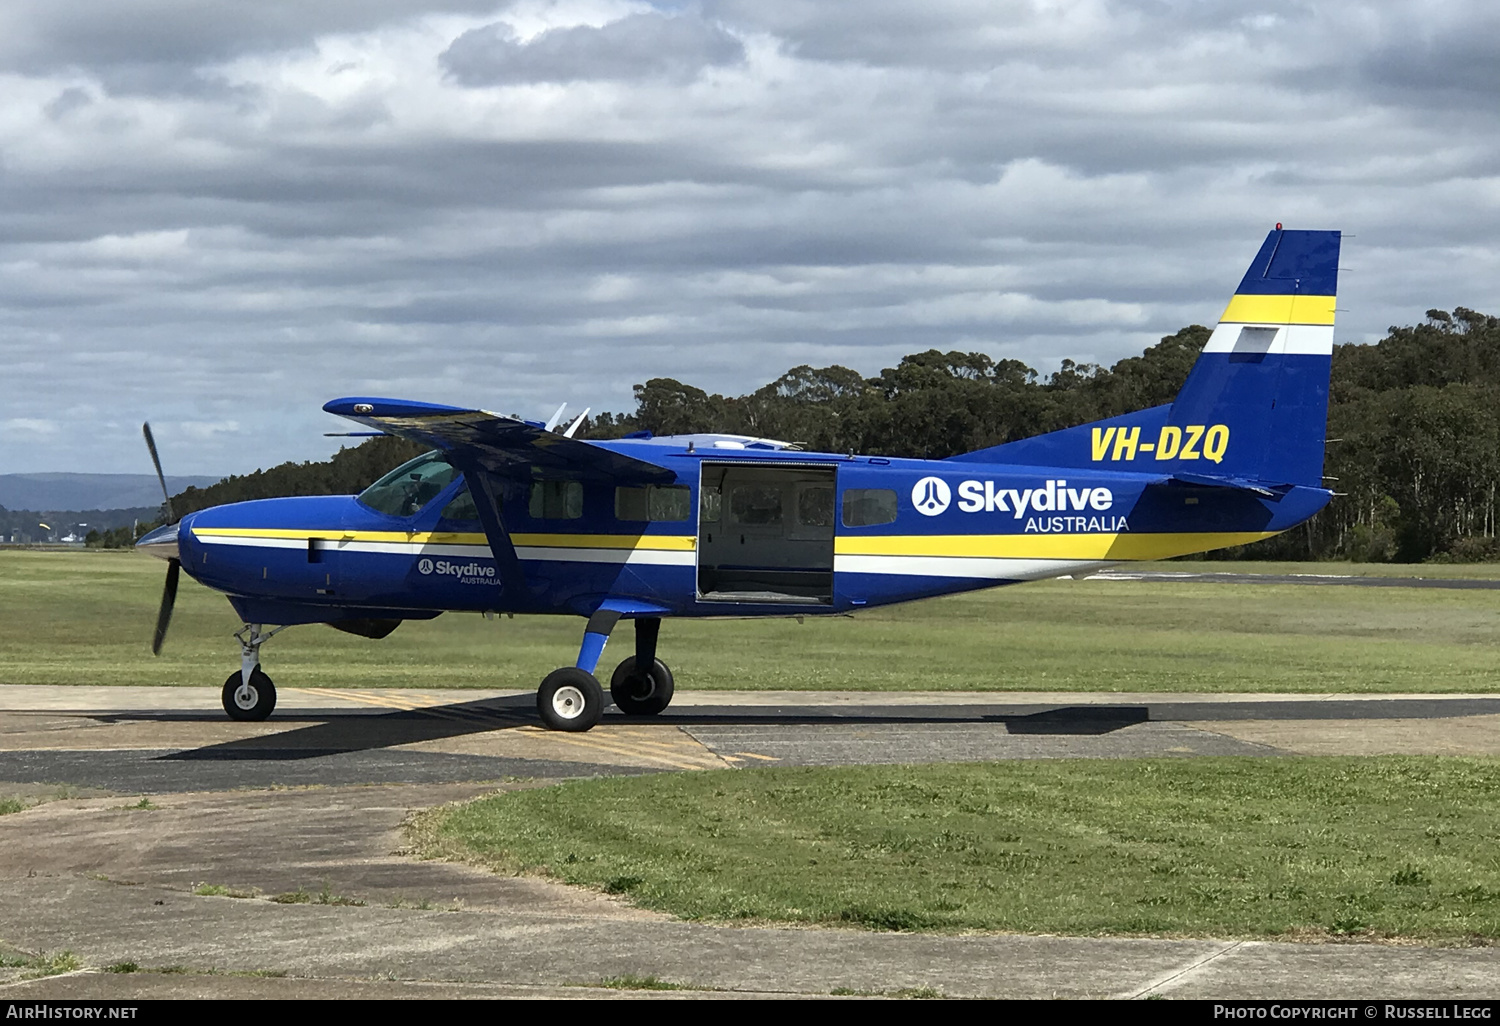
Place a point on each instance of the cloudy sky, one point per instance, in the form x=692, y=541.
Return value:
x=217, y=215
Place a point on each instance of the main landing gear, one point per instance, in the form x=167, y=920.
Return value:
x=249, y=693
x=571, y=698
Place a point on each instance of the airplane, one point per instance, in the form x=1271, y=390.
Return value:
x=507, y=515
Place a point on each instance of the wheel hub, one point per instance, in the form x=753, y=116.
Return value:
x=567, y=702
x=246, y=696
x=642, y=686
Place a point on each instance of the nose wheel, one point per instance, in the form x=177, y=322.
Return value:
x=251, y=699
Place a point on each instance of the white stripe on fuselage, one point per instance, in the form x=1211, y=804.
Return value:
x=653, y=557
x=973, y=567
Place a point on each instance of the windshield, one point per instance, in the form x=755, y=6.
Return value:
x=404, y=491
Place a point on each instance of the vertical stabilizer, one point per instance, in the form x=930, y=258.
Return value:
x=1264, y=372
x=1255, y=405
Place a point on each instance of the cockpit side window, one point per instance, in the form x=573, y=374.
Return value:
x=461, y=507
x=407, y=489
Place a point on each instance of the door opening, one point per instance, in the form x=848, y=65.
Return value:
x=765, y=533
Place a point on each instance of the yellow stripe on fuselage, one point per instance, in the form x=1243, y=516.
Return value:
x=1279, y=310
x=669, y=542
x=1046, y=546
x=1094, y=546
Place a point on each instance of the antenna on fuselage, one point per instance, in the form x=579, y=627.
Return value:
x=555, y=419
x=576, y=421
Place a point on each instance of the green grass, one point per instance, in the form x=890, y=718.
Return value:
x=301, y=897
x=910, y=993
x=209, y=890
x=630, y=982
x=1228, y=847
x=86, y=618
x=45, y=964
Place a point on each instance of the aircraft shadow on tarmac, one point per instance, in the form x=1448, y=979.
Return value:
x=363, y=731
x=356, y=731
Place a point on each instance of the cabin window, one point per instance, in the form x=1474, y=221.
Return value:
x=462, y=507
x=407, y=489
x=710, y=504
x=653, y=502
x=556, y=500
x=755, y=505
x=815, y=505
x=869, y=507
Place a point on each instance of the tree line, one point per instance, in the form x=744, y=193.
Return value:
x=1414, y=429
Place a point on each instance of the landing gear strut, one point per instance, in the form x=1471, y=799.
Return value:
x=249, y=693
x=571, y=698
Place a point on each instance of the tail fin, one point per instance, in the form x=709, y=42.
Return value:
x=1255, y=405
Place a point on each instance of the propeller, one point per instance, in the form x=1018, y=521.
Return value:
x=168, y=599
x=161, y=478
x=163, y=538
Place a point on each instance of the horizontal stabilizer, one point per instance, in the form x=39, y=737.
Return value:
x=1265, y=491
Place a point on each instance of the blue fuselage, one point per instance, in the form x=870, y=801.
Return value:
x=778, y=533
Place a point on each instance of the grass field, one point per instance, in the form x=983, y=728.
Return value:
x=1303, y=848
x=86, y=618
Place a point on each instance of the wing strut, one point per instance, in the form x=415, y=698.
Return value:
x=513, y=578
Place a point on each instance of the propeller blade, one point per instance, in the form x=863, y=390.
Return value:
x=160, y=477
x=168, y=599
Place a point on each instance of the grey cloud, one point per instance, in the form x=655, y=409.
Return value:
x=70, y=99
x=637, y=46
x=976, y=34
x=156, y=46
x=857, y=183
x=1443, y=64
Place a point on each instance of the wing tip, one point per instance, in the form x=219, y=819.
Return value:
x=377, y=406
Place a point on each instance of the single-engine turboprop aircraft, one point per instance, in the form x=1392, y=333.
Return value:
x=507, y=515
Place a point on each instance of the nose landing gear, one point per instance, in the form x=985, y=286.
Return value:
x=249, y=693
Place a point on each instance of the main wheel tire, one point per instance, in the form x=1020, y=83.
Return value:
x=570, y=699
x=641, y=694
x=252, y=701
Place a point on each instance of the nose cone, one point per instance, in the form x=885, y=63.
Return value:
x=161, y=543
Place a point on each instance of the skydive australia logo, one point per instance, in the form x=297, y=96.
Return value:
x=931, y=496
x=467, y=573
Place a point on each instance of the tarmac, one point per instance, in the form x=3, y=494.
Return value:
x=311, y=803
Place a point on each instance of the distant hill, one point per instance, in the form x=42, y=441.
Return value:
x=43, y=492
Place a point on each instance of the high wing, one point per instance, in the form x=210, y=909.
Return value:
x=502, y=445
